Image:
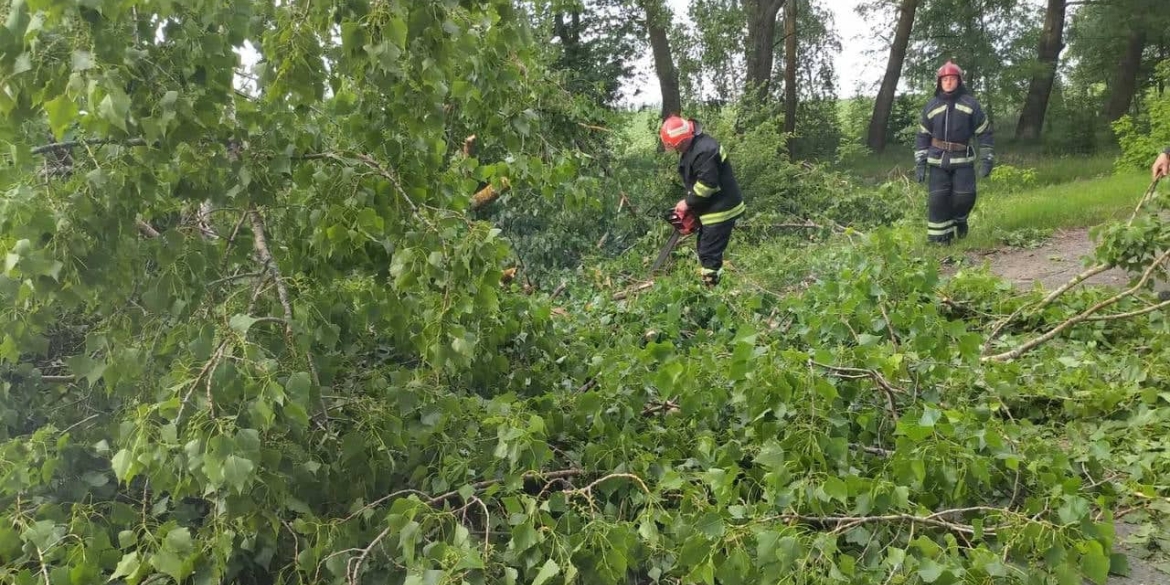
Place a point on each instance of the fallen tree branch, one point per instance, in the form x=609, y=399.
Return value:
x=489, y=194
x=146, y=229
x=70, y=144
x=626, y=293
x=888, y=389
x=368, y=161
x=876, y=451
x=934, y=520
x=1149, y=194
x=1137, y=313
x=1082, y=316
x=1072, y=283
x=664, y=407
x=268, y=264
x=234, y=277
x=551, y=475
x=1047, y=300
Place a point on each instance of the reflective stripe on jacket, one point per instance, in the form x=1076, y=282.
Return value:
x=957, y=118
x=712, y=192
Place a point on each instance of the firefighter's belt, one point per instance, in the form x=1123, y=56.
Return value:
x=948, y=146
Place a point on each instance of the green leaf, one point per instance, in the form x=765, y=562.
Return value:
x=62, y=112
x=836, y=489
x=711, y=525
x=548, y=571
x=929, y=417
x=115, y=107
x=170, y=563
x=930, y=571
x=237, y=470
x=127, y=567
x=396, y=32
x=524, y=537
x=1095, y=564
x=121, y=463
x=179, y=541
x=771, y=456
x=298, y=385
x=241, y=323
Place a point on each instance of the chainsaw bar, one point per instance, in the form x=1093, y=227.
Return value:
x=666, y=250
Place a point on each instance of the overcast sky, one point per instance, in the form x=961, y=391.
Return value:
x=851, y=65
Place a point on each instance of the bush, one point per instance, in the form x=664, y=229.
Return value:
x=1143, y=136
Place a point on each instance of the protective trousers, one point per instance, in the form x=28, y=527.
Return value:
x=952, y=197
x=712, y=241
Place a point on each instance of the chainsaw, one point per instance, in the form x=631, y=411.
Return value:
x=683, y=223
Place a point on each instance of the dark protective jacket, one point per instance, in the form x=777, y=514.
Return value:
x=712, y=192
x=955, y=118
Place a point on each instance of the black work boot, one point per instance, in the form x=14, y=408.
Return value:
x=711, y=277
x=961, y=228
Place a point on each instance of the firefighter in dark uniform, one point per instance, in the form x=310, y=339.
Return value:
x=713, y=195
x=949, y=122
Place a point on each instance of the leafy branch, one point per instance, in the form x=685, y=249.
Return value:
x=888, y=390
x=1082, y=316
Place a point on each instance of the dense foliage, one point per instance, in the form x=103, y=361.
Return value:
x=269, y=336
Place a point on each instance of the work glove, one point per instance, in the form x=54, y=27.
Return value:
x=920, y=165
x=686, y=215
x=988, y=163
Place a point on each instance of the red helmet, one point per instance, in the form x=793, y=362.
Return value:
x=676, y=131
x=949, y=68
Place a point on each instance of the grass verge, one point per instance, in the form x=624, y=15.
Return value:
x=1077, y=204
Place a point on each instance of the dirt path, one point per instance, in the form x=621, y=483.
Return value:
x=1052, y=264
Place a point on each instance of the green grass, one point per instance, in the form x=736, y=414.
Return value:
x=1075, y=204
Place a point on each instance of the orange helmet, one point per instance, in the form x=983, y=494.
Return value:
x=949, y=68
x=676, y=131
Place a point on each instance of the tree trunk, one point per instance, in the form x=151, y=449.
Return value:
x=790, y=72
x=1031, y=122
x=884, y=104
x=761, y=34
x=657, y=17
x=1125, y=84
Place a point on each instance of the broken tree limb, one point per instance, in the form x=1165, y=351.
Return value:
x=1080, y=317
x=146, y=229
x=489, y=194
x=1048, y=300
x=888, y=389
x=1137, y=313
x=934, y=520
x=68, y=144
x=1073, y=282
x=1148, y=195
x=369, y=162
x=626, y=293
x=268, y=264
x=469, y=146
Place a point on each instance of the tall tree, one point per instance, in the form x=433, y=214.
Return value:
x=657, y=18
x=884, y=103
x=1125, y=80
x=790, y=66
x=761, y=38
x=1031, y=121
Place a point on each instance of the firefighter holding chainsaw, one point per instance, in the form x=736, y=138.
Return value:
x=713, y=201
x=949, y=123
